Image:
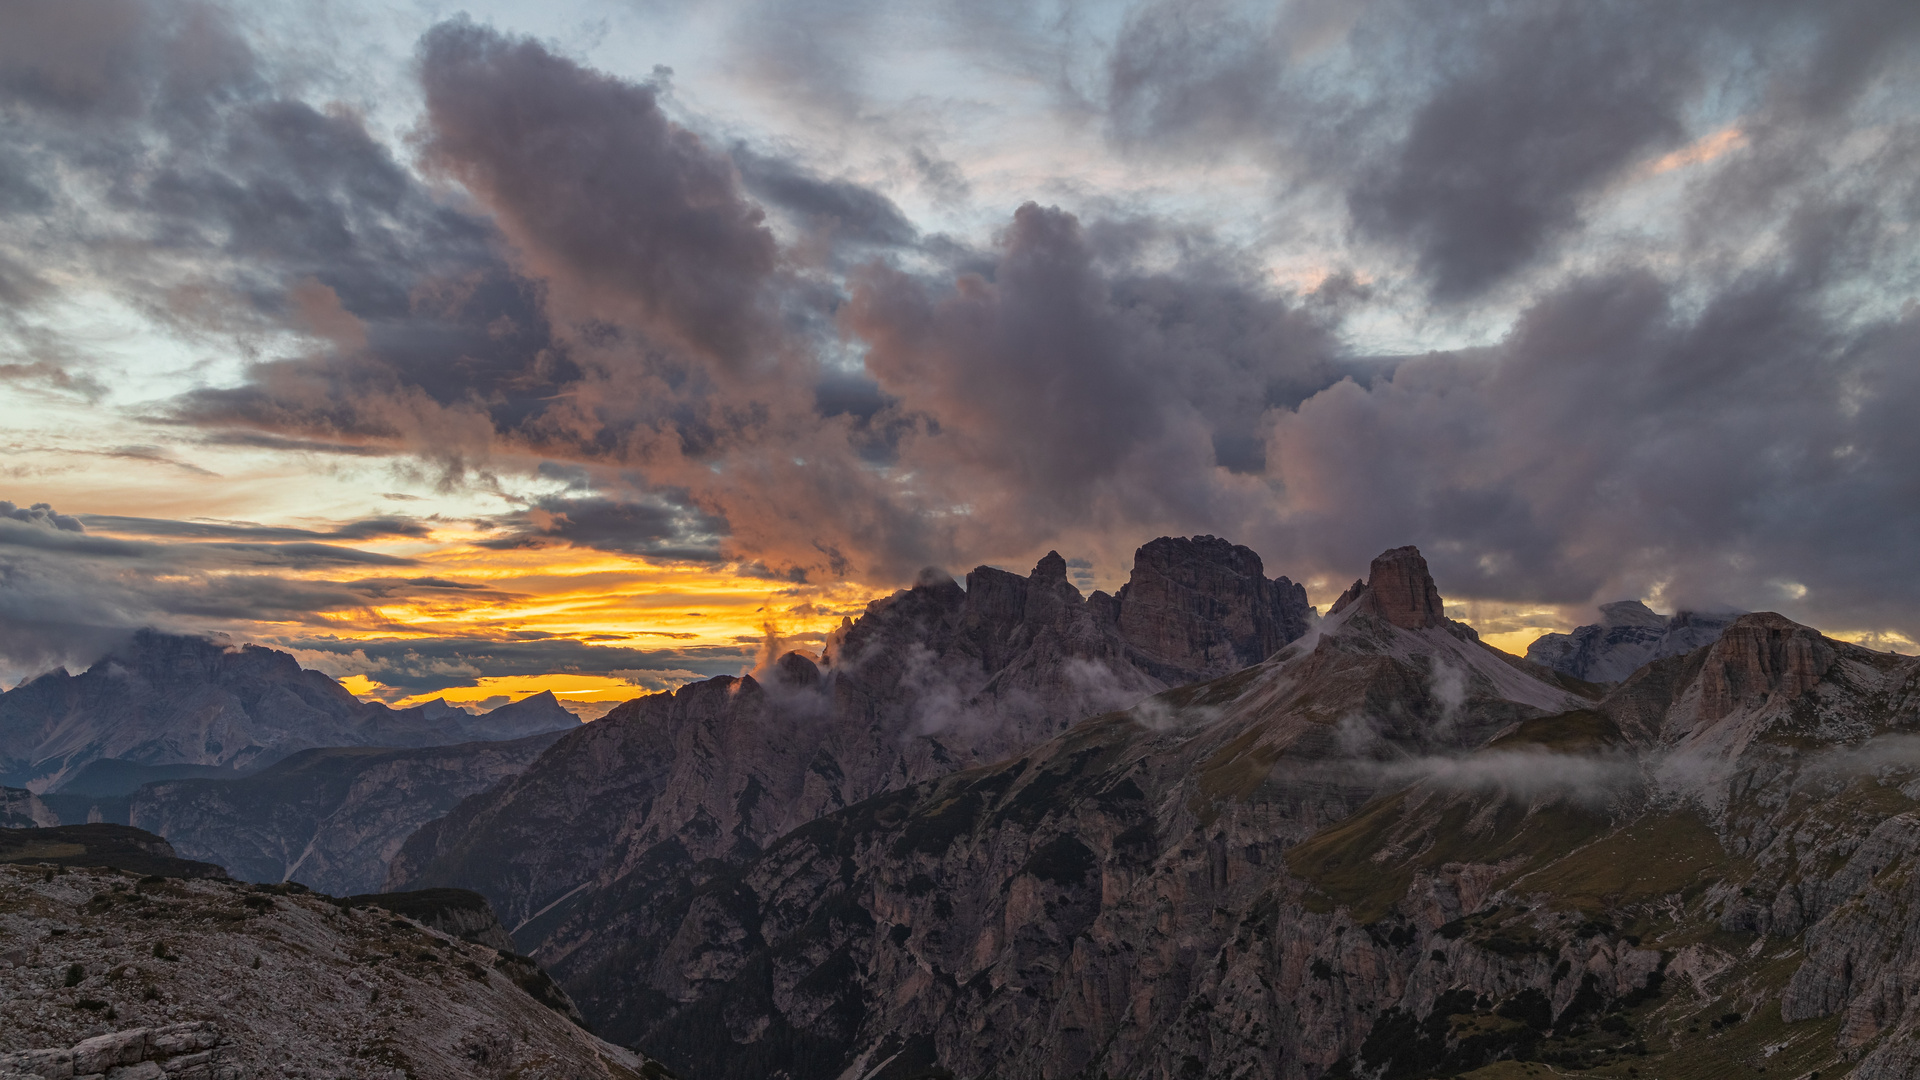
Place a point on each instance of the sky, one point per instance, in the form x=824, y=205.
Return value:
x=474, y=350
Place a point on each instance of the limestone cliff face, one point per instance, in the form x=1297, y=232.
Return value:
x=931, y=679
x=164, y=699
x=1398, y=589
x=328, y=818
x=1203, y=606
x=1628, y=637
x=22, y=809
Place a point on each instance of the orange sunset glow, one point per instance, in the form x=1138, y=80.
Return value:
x=556, y=591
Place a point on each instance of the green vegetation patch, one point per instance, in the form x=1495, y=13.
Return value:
x=1569, y=732
x=1655, y=856
x=1343, y=861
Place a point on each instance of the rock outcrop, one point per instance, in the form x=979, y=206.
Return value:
x=138, y=978
x=331, y=818
x=1628, y=636
x=1398, y=589
x=1204, y=606
x=164, y=699
x=933, y=678
x=189, y=1051
x=459, y=913
x=22, y=809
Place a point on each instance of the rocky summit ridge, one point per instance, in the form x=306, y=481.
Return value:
x=1628, y=636
x=928, y=680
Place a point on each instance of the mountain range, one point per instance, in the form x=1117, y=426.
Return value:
x=1628, y=636
x=1189, y=829
x=929, y=680
x=1386, y=850
x=168, y=700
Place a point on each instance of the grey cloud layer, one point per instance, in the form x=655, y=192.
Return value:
x=736, y=355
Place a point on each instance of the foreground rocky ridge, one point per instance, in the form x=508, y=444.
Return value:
x=164, y=699
x=931, y=679
x=144, y=977
x=1388, y=851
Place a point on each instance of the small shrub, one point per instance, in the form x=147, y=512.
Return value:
x=74, y=974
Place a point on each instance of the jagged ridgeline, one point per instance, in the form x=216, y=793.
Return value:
x=1186, y=830
x=1383, y=850
x=242, y=758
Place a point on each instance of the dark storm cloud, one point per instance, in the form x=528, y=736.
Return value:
x=42, y=515
x=67, y=603
x=365, y=529
x=1545, y=105
x=843, y=210
x=40, y=527
x=658, y=527
x=604, y=195
x=1621, y=439
x=426, y=665
x=217, y=201
x=1476, y=135
x=1074, y=384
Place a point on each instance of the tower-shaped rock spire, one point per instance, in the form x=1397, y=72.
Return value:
x=1399, y=589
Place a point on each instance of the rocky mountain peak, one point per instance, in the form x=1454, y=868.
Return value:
x=1403, y=590
x=1206, y=605
x=1399, y=589
x=1630, y=613
x=1628, y=636
x=1760, y=657
x=1051, y=567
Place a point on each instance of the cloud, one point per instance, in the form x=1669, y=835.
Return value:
x=427, y=665
x=42, y=515
x=1522, y=775
x=1675, y=362
x=68, y=593
x=628, y=213
x=1622, y=440
x=1080, y=387
x=365, y=529
x=657, y=527
x=841, y=209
